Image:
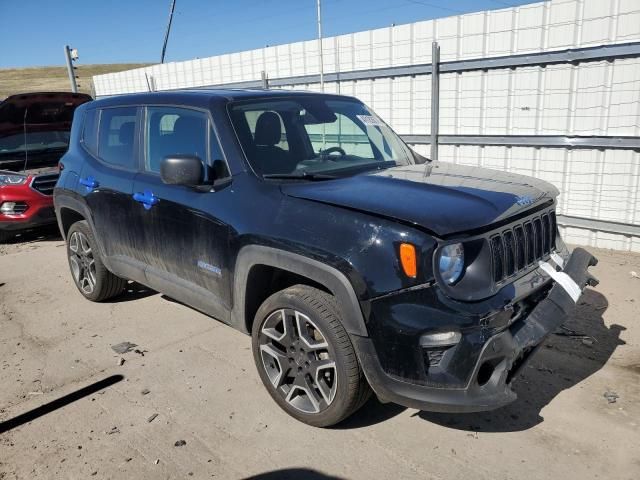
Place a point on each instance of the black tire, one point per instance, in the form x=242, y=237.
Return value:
x=89, y=274
x=342, y=387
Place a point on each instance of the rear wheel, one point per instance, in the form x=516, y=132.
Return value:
x=92, y=278
x=305, y=357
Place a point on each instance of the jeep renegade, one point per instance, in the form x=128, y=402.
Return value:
x=303, y=220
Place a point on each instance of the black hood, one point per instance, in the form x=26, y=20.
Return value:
x=441, y=197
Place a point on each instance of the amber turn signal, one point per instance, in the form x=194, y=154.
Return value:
x=408, y=259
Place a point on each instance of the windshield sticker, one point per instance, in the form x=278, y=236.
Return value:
x=370, y=120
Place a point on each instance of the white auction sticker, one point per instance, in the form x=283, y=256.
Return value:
x=564, y=280
x=370, y=120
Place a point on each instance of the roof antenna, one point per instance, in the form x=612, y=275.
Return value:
x=24, y=130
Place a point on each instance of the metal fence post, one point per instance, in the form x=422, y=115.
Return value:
x=435, y=98
x=265, y=80
x=72, y=74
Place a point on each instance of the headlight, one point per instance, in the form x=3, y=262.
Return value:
x=451, y=262
x=7, y=179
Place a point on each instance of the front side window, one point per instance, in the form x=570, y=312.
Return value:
x=116, y=136
x=174, y=131
x=309, y=134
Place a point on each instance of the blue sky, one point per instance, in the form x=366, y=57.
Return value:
x=34, y=32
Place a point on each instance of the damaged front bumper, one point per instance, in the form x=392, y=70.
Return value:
x=493, y=366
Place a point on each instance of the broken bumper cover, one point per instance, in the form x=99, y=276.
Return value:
x=502, y=356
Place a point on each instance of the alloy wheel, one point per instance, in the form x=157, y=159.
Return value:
x=83, y=265
x=296, y=357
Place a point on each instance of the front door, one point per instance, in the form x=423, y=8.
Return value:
x=186, y=243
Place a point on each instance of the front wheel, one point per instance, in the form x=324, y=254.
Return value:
x=92, y=278
x=305, y=358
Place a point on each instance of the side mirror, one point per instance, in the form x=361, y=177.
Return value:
x=182, y=170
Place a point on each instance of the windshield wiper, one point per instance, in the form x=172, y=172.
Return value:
x=299, y=176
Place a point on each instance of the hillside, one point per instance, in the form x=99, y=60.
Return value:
x=19, y=80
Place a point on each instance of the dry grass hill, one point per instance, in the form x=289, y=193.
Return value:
x=33, y=79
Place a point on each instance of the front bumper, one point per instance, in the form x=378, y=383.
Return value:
x=487, y=386
x=39, y=210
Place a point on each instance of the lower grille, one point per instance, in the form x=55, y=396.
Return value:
x=18, y=208
x=521, y=245
x=45, y=183
x=433, y=356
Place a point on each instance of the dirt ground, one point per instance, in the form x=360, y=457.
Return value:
x=69, y=410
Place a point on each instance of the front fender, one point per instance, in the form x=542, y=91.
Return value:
x=319, y=272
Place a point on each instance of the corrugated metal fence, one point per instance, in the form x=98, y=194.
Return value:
x=549, y=89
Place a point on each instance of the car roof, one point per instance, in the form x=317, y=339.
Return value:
x=204, y=96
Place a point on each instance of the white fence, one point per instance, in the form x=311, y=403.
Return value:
x=496, y=107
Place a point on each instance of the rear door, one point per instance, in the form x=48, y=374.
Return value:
x=185, y=241
x=106, y=182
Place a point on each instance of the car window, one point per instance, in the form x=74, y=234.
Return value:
x=219, y=165
x=116, y=136
x=174, y=131
x=343, y=133
x=266, y=122
x=90, y=131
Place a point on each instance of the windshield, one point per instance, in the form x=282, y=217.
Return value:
x=37, y=122
x=34, y=141
x=315, y=135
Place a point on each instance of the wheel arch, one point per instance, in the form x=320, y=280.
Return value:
x=70, y=210
x=254, y=262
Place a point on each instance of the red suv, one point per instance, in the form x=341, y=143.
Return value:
x=34, y=134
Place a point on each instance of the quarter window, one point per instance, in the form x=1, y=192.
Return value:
x=116, y=137
x=90, y=131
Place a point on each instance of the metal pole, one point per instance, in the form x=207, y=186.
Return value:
x=265, y=80
x=166, y=35
x=72, y=75
x=320, y=45
x=435, y=98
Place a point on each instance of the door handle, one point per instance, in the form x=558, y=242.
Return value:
x=147, y=198
x=90, y=183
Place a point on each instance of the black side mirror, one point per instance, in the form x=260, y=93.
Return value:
x=182, y=170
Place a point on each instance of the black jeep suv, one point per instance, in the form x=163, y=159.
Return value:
x=303, y=220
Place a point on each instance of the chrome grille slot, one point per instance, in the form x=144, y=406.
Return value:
x=45, y=183
x=522, y=245
x=521, y=248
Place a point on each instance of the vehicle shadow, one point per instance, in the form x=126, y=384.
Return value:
x=371, y=413
x=133, y=291
x=40, y=234
x=574, y=352
x=293, y=474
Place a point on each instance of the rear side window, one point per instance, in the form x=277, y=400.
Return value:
x=171, y=131
x=90, y=131
x=116, y=136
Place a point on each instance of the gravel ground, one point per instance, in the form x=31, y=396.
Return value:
x=189, y=403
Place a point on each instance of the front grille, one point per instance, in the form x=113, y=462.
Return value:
x=521, y=245
x=45, y=183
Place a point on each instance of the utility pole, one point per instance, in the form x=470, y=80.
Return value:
x=435, y=98
x=166, y=35
x=320, y=45
x=71, y=54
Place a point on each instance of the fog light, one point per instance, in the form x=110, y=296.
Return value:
x=440, y=339
x=7, y=207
